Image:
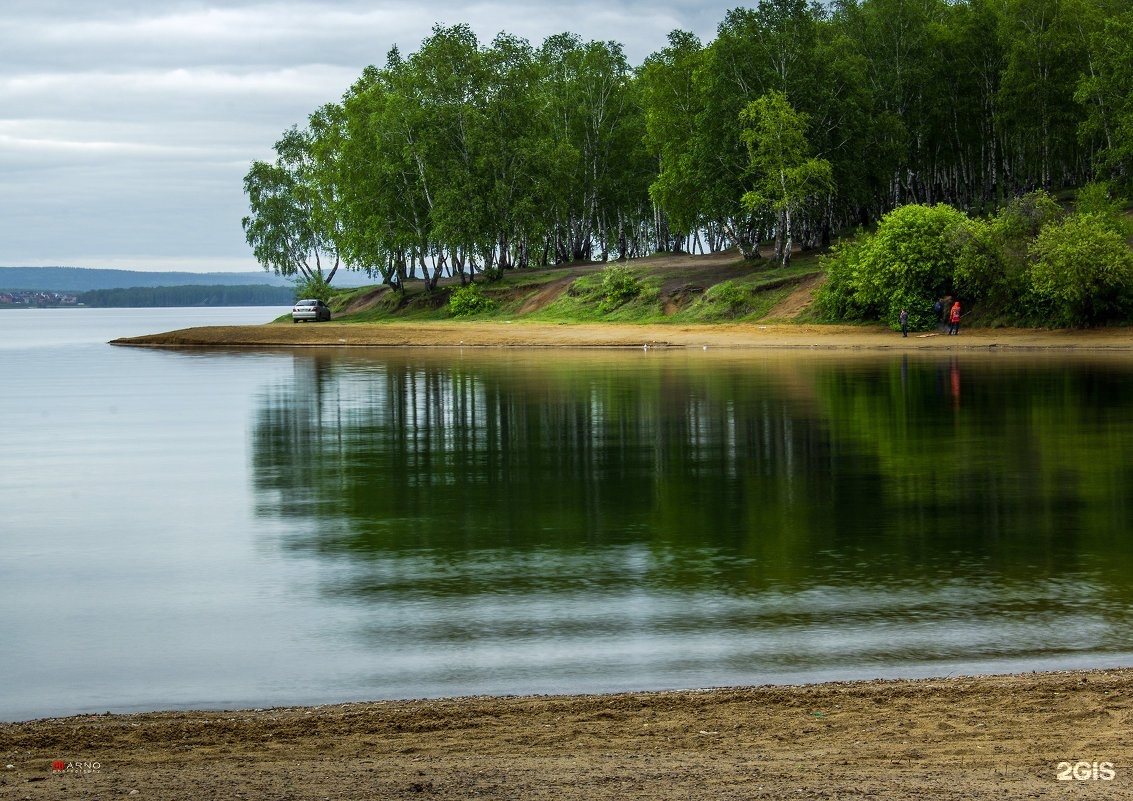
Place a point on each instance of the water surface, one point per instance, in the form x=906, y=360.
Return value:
x=241, y=529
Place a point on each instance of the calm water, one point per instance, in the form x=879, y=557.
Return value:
x=241, y=529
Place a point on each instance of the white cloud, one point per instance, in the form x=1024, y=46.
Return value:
x=126, y=127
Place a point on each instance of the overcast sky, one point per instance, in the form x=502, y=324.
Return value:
x=126, y=126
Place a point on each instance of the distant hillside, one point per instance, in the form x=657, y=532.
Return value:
x=192, y=295
x=85, y=279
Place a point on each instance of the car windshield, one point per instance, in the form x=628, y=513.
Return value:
x=307, y=303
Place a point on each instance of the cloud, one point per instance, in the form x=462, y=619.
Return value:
x=126, y=128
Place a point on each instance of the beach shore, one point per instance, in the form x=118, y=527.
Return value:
x=1036, y=735
x=528, y=334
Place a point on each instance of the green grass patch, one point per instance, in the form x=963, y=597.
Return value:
x=644, y=291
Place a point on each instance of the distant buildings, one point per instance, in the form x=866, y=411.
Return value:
x=37, y=298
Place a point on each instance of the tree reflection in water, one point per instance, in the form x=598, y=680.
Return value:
x=860, y=500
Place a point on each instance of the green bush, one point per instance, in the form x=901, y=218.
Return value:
x=491, y=274
x=315, y=287
x=468, y=300
x=921, y=315
x=1081, y=272
x=837, y=298
x=727, y=297
x=1096, y=198
x=910, y=261
x=1023, y=217
x=911, y=255
x=618, y=285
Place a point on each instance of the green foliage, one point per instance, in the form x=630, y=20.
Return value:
x=290, y=228
x=1031, y=263
x=1105, y=93
x=1082, y=272
x=670, y=97
x=921, y=315
x=468, y=300
x=465, y=153
x=727, y=299
x=786, y=177
x=911, y=260
x=991, y=263
x=492, y=274
x=314, y=286
x=838, y=298
x=1096, y=198
x=1023, y=217
x=986, y=270
x=619, y=284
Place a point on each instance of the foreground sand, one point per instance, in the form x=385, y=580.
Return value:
x=958, y=738
x=526, y=334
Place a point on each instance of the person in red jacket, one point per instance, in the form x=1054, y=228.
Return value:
x=954, y=319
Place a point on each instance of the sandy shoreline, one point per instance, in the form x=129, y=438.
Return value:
x=527, y=334
x=956, y=738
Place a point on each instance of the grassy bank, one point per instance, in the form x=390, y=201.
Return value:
x=666, y=288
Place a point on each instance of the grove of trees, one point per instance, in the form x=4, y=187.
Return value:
x=797, y=121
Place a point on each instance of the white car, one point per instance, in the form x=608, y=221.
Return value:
x=311, y=311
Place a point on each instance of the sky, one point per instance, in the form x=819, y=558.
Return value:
x=126, y=126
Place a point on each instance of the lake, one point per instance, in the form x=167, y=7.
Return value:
x=236, y=529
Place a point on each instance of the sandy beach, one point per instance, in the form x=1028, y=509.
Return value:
x=528, y=334
x=1052, y=735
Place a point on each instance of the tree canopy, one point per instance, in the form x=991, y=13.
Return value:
x=465, y=157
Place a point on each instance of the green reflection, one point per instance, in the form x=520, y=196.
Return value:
x=737, y=471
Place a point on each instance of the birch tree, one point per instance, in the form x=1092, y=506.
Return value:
x=289, y=227
x=786, y=176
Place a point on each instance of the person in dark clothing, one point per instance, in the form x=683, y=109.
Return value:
x=903, y=318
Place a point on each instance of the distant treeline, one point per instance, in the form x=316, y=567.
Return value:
x=86, y=279
x=144, y=296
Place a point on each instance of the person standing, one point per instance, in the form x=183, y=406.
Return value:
x=903, y=318
x=954, y=319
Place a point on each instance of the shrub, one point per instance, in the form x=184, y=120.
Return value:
x=1023, y=217
x=921, y=315
x=618, y=285
x=315, y=287
x=1096, y=198
x=728, y=297
x=911, y=259
x=469, y=300
x=837, y=298
x=491, y=274
x=988, y=270
x=1081, y=271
